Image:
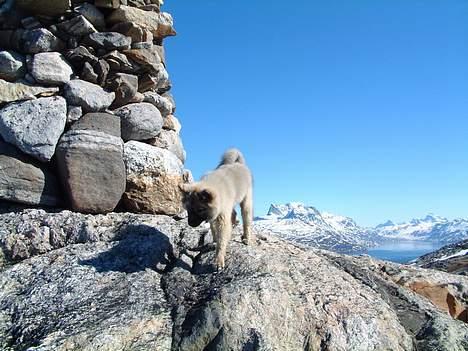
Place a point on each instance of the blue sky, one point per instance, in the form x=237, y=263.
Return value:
x=358, y=108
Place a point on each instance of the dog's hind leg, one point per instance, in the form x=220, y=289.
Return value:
x=223, y=227
x=247, y=217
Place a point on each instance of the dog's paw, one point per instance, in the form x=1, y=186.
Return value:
x=220, y=264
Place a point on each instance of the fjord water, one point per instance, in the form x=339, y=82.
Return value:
x=403, y=251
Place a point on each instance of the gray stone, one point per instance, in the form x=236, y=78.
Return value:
x=169, y=140
x=140, y=121
x=108, y=41
x=89, y=96
x=40, y=40
x=102, y=69
x=34, y=126
x=159, y=24
x=126, y=281
x=125, y=87
x=134, y=31
x=157, y=81
x=31, y=23
x=92, y=14
x=153, y=178
x=74, y=113
x=50, y=68
x=78, y=56
x=110, y=4
x=77, y=26
x=45, y=7
x=12, y=66
x=88, y=74
x=24, y=180
x=90, y=163
x=163, y=104
x=10, y=92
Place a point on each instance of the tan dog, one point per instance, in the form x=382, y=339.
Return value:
x=214, y=197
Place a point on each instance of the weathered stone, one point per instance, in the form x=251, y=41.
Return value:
x=169, y=140
x=90, y=162
x=77, y=26
x=77, y=57
x=45, y=7
x=163, y=104
x=169, y=96
x=74, y=113
x=24, y=180
x=158, y=81
x=147, y=59
x=39, y=40
x=142, y=45
x=50, y=68
x=127, y=281
x=88, y=74
x=172, y=123
x=139, y=121
x=119, y=62
x=110, y=4
x=34, y=126
x=10, y=92
x=160, y=24
x=125, y=87
x=102, y=69
x=153, y=177
x=92, y=14
x=89, y=96
x=134, y=31
x=12, y=66
x=108, y=41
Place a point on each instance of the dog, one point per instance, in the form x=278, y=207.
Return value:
x=214, y=197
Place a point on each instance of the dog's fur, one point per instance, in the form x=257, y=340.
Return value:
x=214, y=197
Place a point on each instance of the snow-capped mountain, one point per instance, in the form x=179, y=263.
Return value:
x=429, y=228
x=306, y=225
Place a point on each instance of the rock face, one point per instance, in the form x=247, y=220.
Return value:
x=34, y=126
x=90, y=162
x=24, y=180
x=131, y=282
x=451, y=258
x=153, y=178
x=169, y=140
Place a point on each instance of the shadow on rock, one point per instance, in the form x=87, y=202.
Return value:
x=141, y=247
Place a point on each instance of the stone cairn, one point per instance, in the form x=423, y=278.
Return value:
x=86, y=118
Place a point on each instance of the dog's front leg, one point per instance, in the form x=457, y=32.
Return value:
x=222, y=234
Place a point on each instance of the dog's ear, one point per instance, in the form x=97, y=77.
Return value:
x=186, y=188
x=206, y=195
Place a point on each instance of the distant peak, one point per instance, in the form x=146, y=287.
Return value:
x=388, y=223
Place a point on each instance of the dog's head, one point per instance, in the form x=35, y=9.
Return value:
x=199, y=203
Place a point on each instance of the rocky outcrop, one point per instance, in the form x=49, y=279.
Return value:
x=61, y=59
x=90, y=162
x=135, y=282
x=451, y=258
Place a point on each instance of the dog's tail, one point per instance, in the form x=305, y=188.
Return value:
x=232, y=156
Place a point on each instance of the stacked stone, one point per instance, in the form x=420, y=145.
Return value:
x=86, y=117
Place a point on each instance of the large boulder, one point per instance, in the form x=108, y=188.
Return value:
x=153, y=178
x=126, y=281
x=91, y=97
x=12, y=66
x=160, y=24
x=10, y=91
x=34, y=126
x=90, y=163
x=50, y=68
x=24, y=180
x=140, y=121
x=39, y=40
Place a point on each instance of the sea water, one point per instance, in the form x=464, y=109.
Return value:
x=403, y=251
